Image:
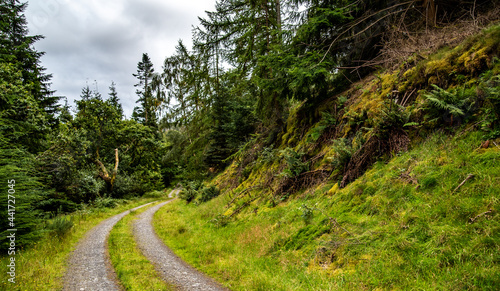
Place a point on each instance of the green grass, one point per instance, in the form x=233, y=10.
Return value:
x=236, y=255
x=42, y=266
x=134, y=271
x=402, y=225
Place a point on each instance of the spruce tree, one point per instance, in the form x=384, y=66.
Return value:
x=219, y=137
x=16, y=46
x=114, y=100
x=146, y=112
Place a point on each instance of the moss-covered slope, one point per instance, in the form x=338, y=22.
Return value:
x=394, y=184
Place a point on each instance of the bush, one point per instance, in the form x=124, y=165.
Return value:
x=343, y=153
x=188, y=195
x=155, y=194
x=56, y=205
x=307, y=213
x=105, y=202
x=146, y=181
x=191, y=190
x=490, y=90
x=295, y=165
x=208, y=193
x=88, y=186
x=124, y=186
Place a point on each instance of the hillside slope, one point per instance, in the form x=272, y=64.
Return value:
x=393, y=184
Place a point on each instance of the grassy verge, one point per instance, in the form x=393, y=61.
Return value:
x=405, y=224
x=42, y=267
x=133, y=269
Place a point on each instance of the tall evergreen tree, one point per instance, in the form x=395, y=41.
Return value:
x=16, y=47
x=244, y=31
x=114, y=100
x=146, y=112
x=219, y=149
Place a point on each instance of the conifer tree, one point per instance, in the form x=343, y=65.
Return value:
x=16, y=47
x=146, y=112
x=219, y=137
x=114, y=100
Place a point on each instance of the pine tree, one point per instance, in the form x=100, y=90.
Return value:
x=65, y=115
x=114, y=100
x=241, y=33
x=16, y=47
x=146, y=112
x=219, y=149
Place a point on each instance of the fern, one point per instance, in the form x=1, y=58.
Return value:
x=295, y=165
x=326, y=121
x=441, y=102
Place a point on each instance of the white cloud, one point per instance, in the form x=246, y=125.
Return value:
x=104, y=40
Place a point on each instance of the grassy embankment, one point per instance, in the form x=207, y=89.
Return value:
x=386, y=232
x=424, y=218
x=42, y=267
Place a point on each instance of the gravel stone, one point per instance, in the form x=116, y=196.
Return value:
x=89, y=265
x=170, y=267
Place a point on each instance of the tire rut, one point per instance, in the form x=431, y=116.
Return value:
x=170, y=267
x=89, y=265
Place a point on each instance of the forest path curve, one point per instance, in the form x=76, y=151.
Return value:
x=89, y=265
x=170, y=267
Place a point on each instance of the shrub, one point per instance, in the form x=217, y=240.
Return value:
x=56, y=205
x=190, y=191
x=88, y=187
x=295, y=165
x=105, y=202
x=307, y=213
x=342, y=153
x=188, y=195
x=146, y=181
x=490, y=90
x=154, y=194
x=208, y=193
x=124, y=186
x=60, y=226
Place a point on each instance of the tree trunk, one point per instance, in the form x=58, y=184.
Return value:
x=430, y=12
x=105, y=176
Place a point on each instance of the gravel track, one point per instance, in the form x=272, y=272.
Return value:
x=89, y=264
x=170, y=267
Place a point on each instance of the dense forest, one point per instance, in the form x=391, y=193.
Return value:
x=253, y=65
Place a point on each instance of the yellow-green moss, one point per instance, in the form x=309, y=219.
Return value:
x=334, y=189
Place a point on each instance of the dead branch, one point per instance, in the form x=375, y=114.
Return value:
x=104, y=174
x=406, y=98
x=472, y=220
x=241, y=194
x=335, y=223
x=245, y=204
x=362, y=20
x=463, y=182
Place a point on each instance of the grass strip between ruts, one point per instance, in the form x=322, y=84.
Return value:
x=134, y=271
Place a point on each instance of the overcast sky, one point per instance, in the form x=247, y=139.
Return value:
x=88, y=41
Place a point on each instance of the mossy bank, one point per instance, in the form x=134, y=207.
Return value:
x=392, y=184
